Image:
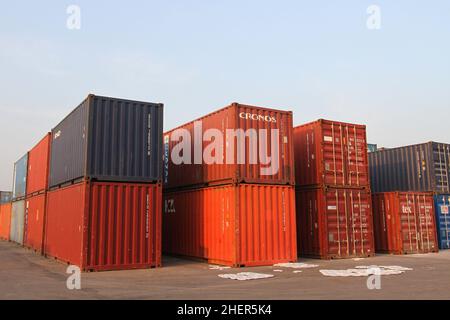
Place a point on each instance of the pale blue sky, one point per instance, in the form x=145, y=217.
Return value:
x=316, y=58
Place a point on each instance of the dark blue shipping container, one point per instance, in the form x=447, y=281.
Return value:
x=20, y=178
x=5, y=197
x=442, y=203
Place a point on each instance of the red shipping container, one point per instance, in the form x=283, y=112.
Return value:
x=404, y=222
x=233, y=169
x=5, y=220
x=34, y=222
x=38, y=166
x=334, y=223
x=243, y=225
x=330, y=153
x=105, y=226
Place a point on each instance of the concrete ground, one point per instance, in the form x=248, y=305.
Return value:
x=26, y=275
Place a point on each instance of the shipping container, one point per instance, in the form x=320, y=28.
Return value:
x=234, y=225
x=422, y=168
x=5, y=197
x=372, y=147
x=108, y=139
x=442, y=205
x=102, y=226
x=17, y=221
x=5, y=220
x=330, y=153
x=404, y=223
x=33, y=236
x=334, y=223
x=236, y=144
x=38, y=166
x=20, y=178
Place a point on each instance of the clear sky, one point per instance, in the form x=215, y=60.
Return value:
x=317, y=58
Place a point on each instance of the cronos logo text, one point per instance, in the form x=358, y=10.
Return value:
x=257, y=117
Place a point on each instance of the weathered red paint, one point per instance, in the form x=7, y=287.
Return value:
x=38, y=166
x=105, y=226
x=5, y=220
x=243, y=225
x=233, y=117
x=334, y=223
x=34, y=222
x=331, y=153
x=404, y=222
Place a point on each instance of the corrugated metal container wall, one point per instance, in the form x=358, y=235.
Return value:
x=244, y=225
x=108, y=139
x=404, y=223
x=247, y=120
x=34, y=222
x=105, y=226
x=20, y=177
x=334, y=223
x=5, y=220
x=423, y=168
x=329, y=153
x=442, y=204
x=17, y=221
x=5, y=197
x=38, y=166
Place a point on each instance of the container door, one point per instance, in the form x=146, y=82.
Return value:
x=443, y=220
x=333, y=154
x=441, y=167
x=337, y=224
x=360, y=225
x=355, y=157
x=425, y=227
x=408, y=222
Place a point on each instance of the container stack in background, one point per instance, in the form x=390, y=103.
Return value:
x=36, y=194
x=105, y=193
x=416, y=169
x=5, y=214
x=334, y=210
x=18, y=200
x=230, y=213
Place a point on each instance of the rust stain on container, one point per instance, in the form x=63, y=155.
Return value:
x=331, y=153
x=229, y=169
x=38, y=166
x=405, y=222
x=105, y=226
x=5, y=220
x=235, y=225
x=334, y=223
x=34, y=222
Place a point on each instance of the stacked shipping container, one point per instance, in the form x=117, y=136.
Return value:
x=104, y=202
x=418, y=168
x=334, y=212
x=235, y=209
x=18, y=198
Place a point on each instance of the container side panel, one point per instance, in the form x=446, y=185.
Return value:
x=442, y=204
x=38, y=166
x=17, y=221
x=34, y=222
x=20, y=177
x=5, y=221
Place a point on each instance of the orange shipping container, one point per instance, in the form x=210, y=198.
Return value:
x=34, y=222
x=243, y=225
x=38, y=166
x=404, y=222
x=334, y=223
x=5, y=220
x=105, y=226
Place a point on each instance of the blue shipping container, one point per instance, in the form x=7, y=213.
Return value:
x=442, y=203
x=20, y=177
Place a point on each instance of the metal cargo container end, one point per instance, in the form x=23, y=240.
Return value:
x=101, y=226
x=442, y=204
x=17, y=221
x=334, y=223
x=234, y=117
x=20, y=178
x=5, y=221
x=5, y=197
x=108, y=139
x=404, y=223
x=235, y=225
x=34, y=223
x=331, y=153
x=38, y=167
x=422, y=168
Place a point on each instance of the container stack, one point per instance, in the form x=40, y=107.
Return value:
x=223, y=203
x=36, y=194
x=417, y=168
x=334, y=211
x=5, y=214
x=18, y=200
x=105, y=195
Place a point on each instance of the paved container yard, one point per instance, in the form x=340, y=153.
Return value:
x=26, y=275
